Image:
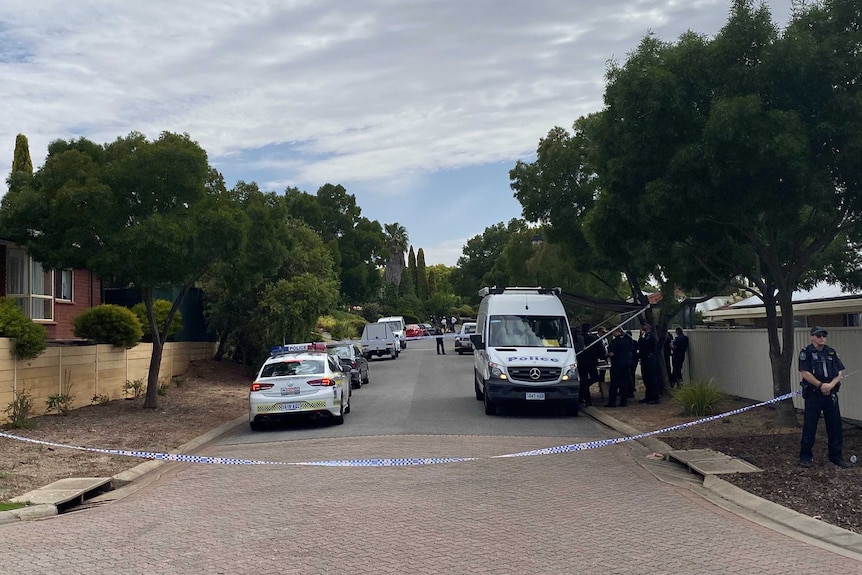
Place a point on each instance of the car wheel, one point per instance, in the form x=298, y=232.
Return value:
x=366, y=380
x=479, y=395
x=490, y=406
x=339, y=419
x=404, y=345
x=460, y=352
x=255, y=425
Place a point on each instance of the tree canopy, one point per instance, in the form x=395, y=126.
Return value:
x=147, y=214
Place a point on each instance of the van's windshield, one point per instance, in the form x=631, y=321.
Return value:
x=395, y=325
x=528, y=331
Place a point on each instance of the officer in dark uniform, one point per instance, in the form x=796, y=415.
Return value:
x=620, y=353
x=646, y=353
x=441, y=350
x=821, y=371
x=588, y=365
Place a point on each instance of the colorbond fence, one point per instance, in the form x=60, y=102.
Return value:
x=87, y=372
x=738, y=361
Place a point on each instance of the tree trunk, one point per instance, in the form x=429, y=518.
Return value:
x=152, y=398
x=780, y=351
x=222, y=342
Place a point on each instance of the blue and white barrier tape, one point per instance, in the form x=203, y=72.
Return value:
x=397, y=462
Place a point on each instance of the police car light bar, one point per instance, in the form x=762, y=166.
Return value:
x=297, y=348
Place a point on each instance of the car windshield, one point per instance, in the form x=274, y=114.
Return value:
x=469, y=328
x=340, y=351
x=395, y=325
x=292, y=367
x=528, y=331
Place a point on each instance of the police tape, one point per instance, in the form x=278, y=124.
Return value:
x=395, y=462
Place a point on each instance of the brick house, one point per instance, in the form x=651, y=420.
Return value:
x=49, y=297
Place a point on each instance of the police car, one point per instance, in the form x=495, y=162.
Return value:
x=299, y=380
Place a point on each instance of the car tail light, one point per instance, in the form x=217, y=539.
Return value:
x=260, y=386
x=353, y=364
x=323, y=382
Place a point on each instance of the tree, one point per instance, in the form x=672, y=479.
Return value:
x=479, y=256
x=21, y=161
x=421, y=276
x=410, y=287
x=146, y=214
x=355, y=242
x=759, y=143
x=397, y=241
x=22, y=166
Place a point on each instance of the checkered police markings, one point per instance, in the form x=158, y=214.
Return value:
x=396, y=462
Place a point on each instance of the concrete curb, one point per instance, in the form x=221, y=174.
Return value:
x=124, y=478
x=830, y=534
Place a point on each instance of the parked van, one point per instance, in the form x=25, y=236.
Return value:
x=398, y=326
x=379, y=339
x=523, y=349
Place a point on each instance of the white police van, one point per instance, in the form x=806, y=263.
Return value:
x=523, y=349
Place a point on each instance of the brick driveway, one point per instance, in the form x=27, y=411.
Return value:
x=593, y=512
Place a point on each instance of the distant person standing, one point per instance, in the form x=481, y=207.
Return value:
x=821, y=371
x=452, y=321
x=680, y=347
x=439, y=333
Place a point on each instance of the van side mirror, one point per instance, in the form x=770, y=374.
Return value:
x=476, y=339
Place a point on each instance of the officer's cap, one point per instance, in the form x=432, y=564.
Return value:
x=817, y=330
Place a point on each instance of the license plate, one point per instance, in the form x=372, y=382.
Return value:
x=291, y=406
x=535, y=396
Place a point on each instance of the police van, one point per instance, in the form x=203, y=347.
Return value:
x=523, y=349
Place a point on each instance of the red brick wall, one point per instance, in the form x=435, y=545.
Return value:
x=86, y=293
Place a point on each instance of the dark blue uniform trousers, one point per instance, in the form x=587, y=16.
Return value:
x=828, y=405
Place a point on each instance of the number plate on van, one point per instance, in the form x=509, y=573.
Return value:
x=535, y=396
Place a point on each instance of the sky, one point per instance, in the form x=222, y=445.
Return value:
x=419, y=108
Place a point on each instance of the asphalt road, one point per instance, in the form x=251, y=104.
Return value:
x=421, y=392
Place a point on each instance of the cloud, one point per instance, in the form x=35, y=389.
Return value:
x=301, y=93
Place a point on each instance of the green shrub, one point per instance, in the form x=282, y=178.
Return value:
x=31, y=339
x=161, y=307
x=109, y=323
x=698, y=398
x=19, y=410
x=101, y=399
x=136, y=387
x=341, y=325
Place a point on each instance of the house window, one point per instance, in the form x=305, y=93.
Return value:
x=30, y=285
x=63, y=285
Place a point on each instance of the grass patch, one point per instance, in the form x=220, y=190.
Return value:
x=5, y=506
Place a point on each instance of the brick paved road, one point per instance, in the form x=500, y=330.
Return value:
x=585, y=512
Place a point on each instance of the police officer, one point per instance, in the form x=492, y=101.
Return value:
x=821, y=371
x=646, y=354
x=620, y=353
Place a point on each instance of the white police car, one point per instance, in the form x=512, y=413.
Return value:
x=299, y=380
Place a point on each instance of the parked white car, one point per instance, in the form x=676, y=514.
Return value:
x=299, y=380
x=462, y=340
